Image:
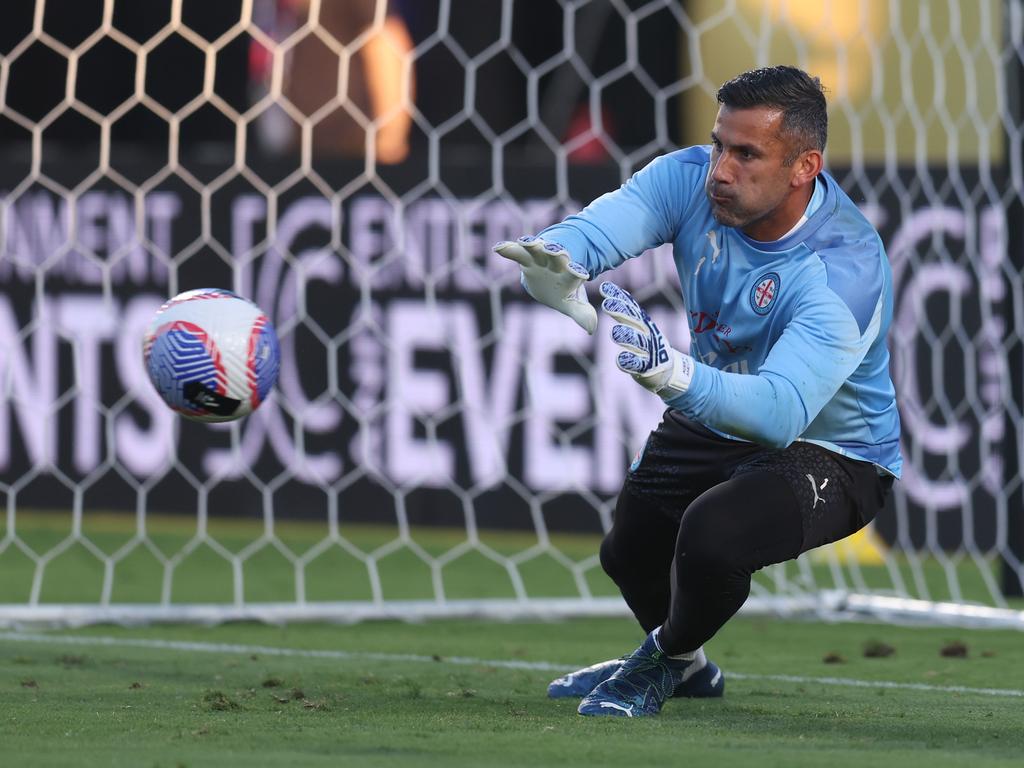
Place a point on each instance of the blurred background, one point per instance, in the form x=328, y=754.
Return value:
x=348, y=163
x=907, y=80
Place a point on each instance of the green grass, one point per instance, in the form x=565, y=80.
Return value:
x=203, y=572
x=91, y=705
x=86, y=703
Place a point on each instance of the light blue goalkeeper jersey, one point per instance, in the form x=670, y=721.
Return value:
x=789, y=336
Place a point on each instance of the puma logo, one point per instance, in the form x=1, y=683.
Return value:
x=716, y=249
x=612, y=705
x=815, y=488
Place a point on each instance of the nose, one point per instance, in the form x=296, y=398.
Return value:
x=720, y=170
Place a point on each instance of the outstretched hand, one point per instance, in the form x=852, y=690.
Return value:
x=552, y=278
x=646, y=355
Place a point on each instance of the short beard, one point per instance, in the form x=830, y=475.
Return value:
x=731, y=218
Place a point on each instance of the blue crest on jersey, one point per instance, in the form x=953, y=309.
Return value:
x=764, y=292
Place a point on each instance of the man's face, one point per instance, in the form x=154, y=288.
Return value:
x=747, y=183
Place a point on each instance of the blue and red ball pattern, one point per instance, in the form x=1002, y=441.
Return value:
x=211, y=355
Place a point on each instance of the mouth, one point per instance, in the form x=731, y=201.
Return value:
x=719, y=199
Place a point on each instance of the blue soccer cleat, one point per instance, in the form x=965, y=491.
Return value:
x=581, y=682
x=702, y=679
x=646, y=680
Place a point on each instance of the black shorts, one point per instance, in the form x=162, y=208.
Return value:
x=682, y=459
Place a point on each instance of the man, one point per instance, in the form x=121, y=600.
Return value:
x=781, y=432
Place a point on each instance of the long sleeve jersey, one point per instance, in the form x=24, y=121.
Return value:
x=789, y=336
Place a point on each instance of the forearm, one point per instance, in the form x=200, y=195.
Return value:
x=642, y=214
x=766, y=409
x=588, y=243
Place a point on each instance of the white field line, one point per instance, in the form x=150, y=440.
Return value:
x=540, y=666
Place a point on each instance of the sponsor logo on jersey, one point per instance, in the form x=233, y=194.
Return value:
x=764, y=292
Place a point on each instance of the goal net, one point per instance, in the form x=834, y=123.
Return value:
x=437, y=444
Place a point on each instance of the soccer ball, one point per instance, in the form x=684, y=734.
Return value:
x=212, y=355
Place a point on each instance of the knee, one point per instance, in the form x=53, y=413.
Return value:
x=612, y=558
x=704, y=544
x=641, y=543
x=627, y=563
x=613, y=552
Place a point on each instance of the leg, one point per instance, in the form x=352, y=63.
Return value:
x=776, y=506
x=637, y=555
x=725, y=536
x=680, y=461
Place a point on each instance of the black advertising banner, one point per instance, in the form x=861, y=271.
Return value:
x=419, y=384
x=946, y=238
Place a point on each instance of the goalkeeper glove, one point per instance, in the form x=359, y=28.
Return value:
x=646, y=354
x=551, y=278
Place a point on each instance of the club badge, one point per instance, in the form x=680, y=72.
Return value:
x=764, y=292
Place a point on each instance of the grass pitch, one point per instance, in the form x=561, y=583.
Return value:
x=48, y=556
x=451, y=694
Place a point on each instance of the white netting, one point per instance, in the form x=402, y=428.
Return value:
x=438, y=445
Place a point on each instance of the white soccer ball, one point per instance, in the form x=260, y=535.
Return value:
x=212, y=355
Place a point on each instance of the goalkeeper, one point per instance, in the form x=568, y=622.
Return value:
x=781, y=432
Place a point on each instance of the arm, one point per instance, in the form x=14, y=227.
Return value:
x=643, y=213
x=805, y=368
x=816, y=353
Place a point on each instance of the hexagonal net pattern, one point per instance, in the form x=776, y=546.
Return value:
x=437, y=443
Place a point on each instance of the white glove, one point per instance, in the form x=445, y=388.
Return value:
x=551, y=278
x=646, y=355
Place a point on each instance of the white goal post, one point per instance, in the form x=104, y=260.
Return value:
x=348, y=166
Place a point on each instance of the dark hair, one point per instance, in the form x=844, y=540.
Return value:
x=799, y=96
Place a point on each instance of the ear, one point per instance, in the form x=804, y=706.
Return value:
x=806, y=167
